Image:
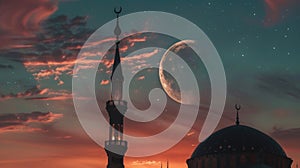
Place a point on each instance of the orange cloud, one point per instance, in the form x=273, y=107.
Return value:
x=147, y=162
x=19, y=128
x=104, y=82
x=21, y=122
x=36, y=93
x=22, y=18
x=141, y=77
x=29, y=117
x=141, y=56
x=143, y=39
x=52, y=95
x=44, y=70
x=190, y=133
x=36, y=90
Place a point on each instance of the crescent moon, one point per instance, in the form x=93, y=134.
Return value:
x=166, y=84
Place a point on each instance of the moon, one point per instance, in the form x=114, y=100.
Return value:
x=169, y=61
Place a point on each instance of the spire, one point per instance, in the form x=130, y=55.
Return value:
x=237, y=107
x=117, y=29
x=117, y=61
x=167, y=163
x=160, y=165
x=117, y=32
x=117, y=74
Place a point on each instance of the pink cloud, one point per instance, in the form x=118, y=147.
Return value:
x=141, y=56
x=147, y=162
x=36, y=93
x=275, y=10
x=36, y=90
x=45, y=70
x=21, y=122
x=19, y=128
x=52, y=95
x=21, y=19
x=104, y=82
x=141, y=77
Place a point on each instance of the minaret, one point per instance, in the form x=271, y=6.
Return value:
x=115, y=146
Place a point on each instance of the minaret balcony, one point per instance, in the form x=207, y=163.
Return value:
x=116, y=146
x=116, y=105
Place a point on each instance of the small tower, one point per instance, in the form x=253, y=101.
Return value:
x=161, y=166
x=115, y=146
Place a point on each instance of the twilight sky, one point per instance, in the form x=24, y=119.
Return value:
x=258, y=42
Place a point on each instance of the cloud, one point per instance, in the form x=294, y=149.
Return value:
x=36, y=93
x=22, y=19
x=52, y=95
x=60, y=97
x=190, y=133
x=35, y=90
x=32, y=117
x=45, y=70
x=22, y=122
x=54, y=50
x=3, y=66
x=147, y=162
x=289, y=139
x=141, y=56
x=280, y=85
x=104, y=82
x=278, y=10
x=141, y=77
x=292, y=133
x=60, y=63
x=52, y=53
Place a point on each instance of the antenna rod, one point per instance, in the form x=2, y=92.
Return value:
x=117, y=29
x=237, y=107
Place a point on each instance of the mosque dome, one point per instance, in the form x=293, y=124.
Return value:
x=239, y=146
x=238, y=138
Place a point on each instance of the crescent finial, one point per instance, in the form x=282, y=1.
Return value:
x=237, y=107
x=118, y=11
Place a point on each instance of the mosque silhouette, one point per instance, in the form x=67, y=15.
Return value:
x=236, y=146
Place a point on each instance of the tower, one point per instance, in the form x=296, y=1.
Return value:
x=115, y=146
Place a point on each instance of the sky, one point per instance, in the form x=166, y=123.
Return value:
x=257, y=40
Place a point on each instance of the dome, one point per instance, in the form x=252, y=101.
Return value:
x=238, y=138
